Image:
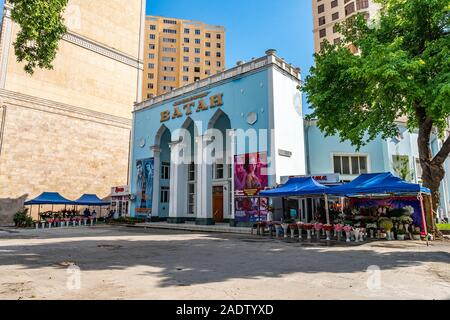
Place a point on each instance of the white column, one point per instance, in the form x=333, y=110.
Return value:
x=204, y=182
x=177, y=183
x=232, y=136
x=156, y=180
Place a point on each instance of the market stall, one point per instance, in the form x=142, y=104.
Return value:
x=301, y=187
x=383, y=206
x=91, y=200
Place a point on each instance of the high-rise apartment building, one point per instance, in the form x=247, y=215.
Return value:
x=327, y=13
x=179, y=52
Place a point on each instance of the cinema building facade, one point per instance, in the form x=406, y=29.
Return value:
x=203, y=152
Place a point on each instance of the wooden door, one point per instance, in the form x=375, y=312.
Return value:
x=218, y=203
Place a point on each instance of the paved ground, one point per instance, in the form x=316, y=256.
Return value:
x=126, y=263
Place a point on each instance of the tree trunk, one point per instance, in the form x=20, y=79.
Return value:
x=432, y=168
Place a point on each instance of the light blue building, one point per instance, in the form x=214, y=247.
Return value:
x=399, y=155
x=204, y=151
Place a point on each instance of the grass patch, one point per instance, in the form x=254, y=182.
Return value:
x=445, y=226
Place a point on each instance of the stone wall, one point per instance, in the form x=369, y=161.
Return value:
x=58, y=148
x=8, y=207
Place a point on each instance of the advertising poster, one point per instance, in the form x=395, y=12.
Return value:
x=144, y=186
x=250, y=177
x=250, y=209
x=250, y=173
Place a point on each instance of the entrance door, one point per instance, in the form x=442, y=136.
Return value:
x=218, y=203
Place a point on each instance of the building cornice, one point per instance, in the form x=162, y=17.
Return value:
x=270, y=60
x=22, y=100
x=103, y=50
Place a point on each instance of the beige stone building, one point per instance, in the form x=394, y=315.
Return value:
x=67, y=130
x=327, y=13
x=179, y=52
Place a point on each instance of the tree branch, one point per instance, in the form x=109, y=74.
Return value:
x=442, y=155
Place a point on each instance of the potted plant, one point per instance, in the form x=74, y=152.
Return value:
x=318, y=227
x=387, y=225
x=348, y=232
x=372, y=227
x=22, y=219
x=416, y=234
x=328, y=228
x=308, y=227
x=401, y=234
x=338, y=228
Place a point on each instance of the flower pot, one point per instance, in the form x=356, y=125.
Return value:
x=292, y=233
x=285, y=229
x=308, y=234
x=371, y=233
x=356, y=232
x=348, y=236
x=318, y=235
x=328, y=235
x=401, y=237
x=339, y=235
x=416, y=236
x=277, y=230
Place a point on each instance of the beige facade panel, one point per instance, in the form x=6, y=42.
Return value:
x=80, y=77
x=115, y=23
x=68, y=129
x=47, y=149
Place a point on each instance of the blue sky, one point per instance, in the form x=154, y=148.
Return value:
x=252, y=26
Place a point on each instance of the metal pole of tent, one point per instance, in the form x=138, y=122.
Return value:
x=327, y=210
x=424, y=221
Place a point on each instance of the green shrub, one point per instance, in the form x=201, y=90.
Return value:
x=22, y=219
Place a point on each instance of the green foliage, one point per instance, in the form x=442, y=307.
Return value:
x=402, y=169
x=386, y=224
x=22, y=219
x=403, y=66
x=445, y=226
x=42, y=27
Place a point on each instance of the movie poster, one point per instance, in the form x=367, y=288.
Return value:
x=250, y=177
x=250, y=173
x=144, y=186
x=250, y=209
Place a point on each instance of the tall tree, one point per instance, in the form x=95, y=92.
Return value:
x=41, y=28
x=402, y=69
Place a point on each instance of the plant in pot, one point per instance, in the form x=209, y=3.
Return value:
x=416, y=234
x=401, y=234
x=22, y=219
x=387, y=225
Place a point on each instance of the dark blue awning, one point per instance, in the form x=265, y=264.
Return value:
x=49, y=198
x=297, y=187
x=91, y=200
x=377, y=183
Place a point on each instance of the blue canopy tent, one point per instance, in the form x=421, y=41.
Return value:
x=91, y=200
x=377, y=183
x=49, y=198
x=300, y=187
x=381, y=184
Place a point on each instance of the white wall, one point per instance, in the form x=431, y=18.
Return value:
x=288, y=126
